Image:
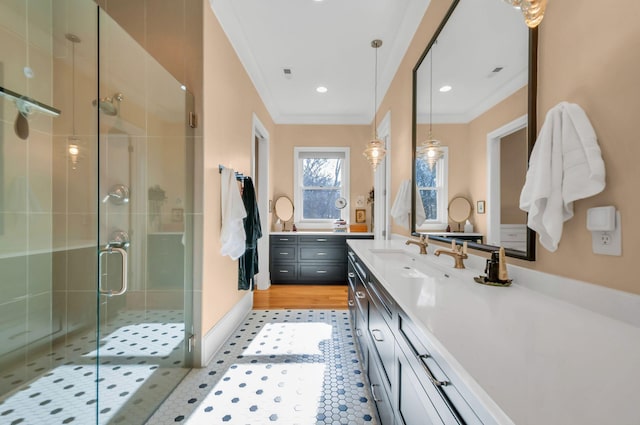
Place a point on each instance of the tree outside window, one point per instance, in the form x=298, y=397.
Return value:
x=321, y=178
x=431, y=186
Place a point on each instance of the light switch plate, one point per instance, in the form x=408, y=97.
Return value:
x=608, y=243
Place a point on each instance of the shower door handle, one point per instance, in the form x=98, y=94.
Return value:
x=108, y=250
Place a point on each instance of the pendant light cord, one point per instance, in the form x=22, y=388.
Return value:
x=73, y=87
x=431, y=94
x=375, y=95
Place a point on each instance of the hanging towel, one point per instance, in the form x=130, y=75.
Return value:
x=565, y=165
x=401, y=209
x=248, y=264
x=232, y=235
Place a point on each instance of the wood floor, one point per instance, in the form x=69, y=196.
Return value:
x=301, y=296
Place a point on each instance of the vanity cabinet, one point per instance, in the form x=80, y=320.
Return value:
x=409, y=382
x=309, y=258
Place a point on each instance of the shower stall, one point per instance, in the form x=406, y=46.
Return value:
x=96, y=188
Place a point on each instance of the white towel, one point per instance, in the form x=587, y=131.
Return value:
x=401, y=208
x=232, y=234
x=565, y=165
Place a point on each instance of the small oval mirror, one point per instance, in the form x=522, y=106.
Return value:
x=459, y=209
x=284, y=208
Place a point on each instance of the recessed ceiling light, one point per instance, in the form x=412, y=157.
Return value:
x=321, y=89
x=445, y=88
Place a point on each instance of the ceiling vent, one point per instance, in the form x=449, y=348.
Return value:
x=495, y=71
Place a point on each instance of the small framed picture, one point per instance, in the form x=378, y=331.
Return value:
x=480, y=207
x=361, y=215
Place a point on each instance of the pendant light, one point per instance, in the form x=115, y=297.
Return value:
x=73, y=144
x=375, y=150
x=430, y=149
x=532, y=10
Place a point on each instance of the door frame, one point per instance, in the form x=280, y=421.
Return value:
x=382, y=183
x=259, y=132
x=493, y=176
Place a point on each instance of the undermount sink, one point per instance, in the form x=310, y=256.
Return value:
x=393, y=254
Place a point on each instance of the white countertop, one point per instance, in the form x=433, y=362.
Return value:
x=529, y=357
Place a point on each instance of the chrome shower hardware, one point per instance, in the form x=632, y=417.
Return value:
x=118, y=194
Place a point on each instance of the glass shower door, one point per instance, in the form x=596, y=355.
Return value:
x=144, y=197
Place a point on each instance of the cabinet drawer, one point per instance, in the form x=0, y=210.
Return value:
x=282, y=272
x=283, y=253
x=383, y=342
x=322, y=239
x=322, y=253
x=381, y=299
x=284, y=239
x=323, y=272
x=414, y=404
x=429, y=369
x=379, y=393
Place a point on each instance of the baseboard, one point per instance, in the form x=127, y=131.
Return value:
x=216, y=337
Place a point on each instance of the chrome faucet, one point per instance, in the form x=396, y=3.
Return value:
x=422, y=243
x=457, y=252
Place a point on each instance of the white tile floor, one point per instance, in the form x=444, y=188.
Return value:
x=279, y=367
x=141, y=354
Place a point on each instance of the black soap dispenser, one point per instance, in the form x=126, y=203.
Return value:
x=493, y=267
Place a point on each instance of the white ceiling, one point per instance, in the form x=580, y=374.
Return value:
x=478, y=37
x=324, y=43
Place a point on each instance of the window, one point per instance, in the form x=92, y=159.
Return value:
x=432, y=188
x=321, y=176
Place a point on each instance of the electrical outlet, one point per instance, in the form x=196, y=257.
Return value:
x=608, y=242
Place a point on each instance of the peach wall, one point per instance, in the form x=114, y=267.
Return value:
x=513, y=171
x=587, y=55
x=229, y=104
x=352, y=136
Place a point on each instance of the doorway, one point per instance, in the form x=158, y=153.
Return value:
x=260, y=171
x=382, y=182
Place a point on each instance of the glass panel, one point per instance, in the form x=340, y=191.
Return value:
x=320, y=204
x=144, y=195
x=322, y=172
x=48, y=215
x=430, y=203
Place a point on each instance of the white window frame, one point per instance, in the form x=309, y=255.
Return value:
x=298, y=154
x=442, y=221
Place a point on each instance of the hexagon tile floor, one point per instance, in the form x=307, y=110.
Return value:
x=279, y=367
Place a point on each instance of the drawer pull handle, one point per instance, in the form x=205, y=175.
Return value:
x=321, y=240
x=352, y=274
x=351, y=303
x=284, y=239
x=377, y=335
x=373, y=393
x=432, y=378
x=284, y=271
x=360, y=295
x=321, y=253
x=321, y=271
x=283, y=253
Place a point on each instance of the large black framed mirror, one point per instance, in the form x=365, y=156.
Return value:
x=474, y=90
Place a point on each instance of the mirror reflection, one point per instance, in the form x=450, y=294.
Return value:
x=474, y=100
x=284, y=210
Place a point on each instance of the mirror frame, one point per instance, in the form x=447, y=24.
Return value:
x=532, y=89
